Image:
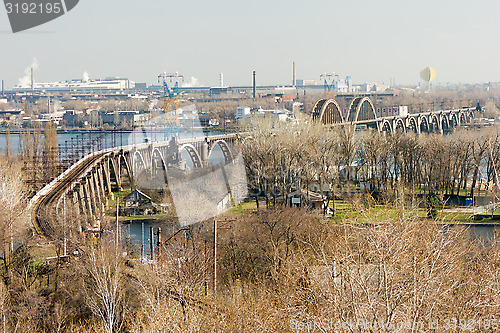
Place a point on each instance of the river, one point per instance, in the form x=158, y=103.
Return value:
x=102, y=140
x=484, y=233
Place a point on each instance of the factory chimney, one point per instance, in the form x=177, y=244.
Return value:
x=221, y=80
x=32, y=80
x=294, y=75
x=3, y=92
x=254, y=84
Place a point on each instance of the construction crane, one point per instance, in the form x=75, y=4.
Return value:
x=330, y=84
x=170, y=83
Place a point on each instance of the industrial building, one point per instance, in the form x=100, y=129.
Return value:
x=80, y=84
x=281, y=115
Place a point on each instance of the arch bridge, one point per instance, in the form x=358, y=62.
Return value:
x=89, y=184
x=361, y=113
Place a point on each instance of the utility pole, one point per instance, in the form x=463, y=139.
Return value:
x=158, y=241
x=151, y=244
x=64, y=227
x=205, y=268
x=215, y=256
x=117, y=214
x=142, y=243
x=223, y=226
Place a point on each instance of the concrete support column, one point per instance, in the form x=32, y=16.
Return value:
x=97, y=191
x=87, y=199
x=102, y=187
x=115, y=164
x=91, y=195
x=107, y=177
x=130, y=171
x=203, y=150
x=77, y=209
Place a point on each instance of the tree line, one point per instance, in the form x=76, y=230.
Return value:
x=284, y=158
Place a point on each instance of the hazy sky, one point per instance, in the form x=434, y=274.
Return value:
x=371, y=40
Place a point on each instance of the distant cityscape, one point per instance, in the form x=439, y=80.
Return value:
x=33, y=101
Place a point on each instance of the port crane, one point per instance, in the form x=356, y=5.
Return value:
x=330, y=81
x=170, y=82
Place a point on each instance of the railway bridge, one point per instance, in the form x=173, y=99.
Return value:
x=88, y=184
x=361, y=113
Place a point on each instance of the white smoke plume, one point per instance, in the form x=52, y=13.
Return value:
x=57, y=105
x=193, y=83
x=153, y=104
x=25, y=81
x=86, y=77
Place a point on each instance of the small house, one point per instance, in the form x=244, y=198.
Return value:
x=137, y=203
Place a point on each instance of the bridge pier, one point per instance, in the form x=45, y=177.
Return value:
x=102, y=197
x=128, y=168
x=107, y=177
x=92, y=195
x=77, y=209
x=87, y=200
x=96, y=192
x=115, y=164
x=203, y=149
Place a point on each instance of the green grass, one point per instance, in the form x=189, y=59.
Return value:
x=248, y=204
x=346, y=212
x=455, y=218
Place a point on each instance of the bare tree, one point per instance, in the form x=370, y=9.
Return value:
x=50, y=153
x=12, y=222
x=104, y=283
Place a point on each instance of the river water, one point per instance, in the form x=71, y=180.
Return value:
x=139, y=233
x=107, y=140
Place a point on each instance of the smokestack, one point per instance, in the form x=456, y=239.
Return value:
x=32, y=80
x=221, y=80
x=254, y=84
x=294, y=75
x=3, y=92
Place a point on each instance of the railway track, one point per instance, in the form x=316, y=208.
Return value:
x=44, y=203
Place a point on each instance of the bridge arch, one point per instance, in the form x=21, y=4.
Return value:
x=424, y=125
x=361, y=108
x=400, y=126
x=226, y=151
x=453, y=120
x=413, y=125
x=434, y=123
x=158, y=177
x=157, y=156
x=330, y=113
x=193, y=154
x=318, y=106
x=124, y=159
x=462, y=118
x=386, y=127
x=138, y=162
x=445, y=123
